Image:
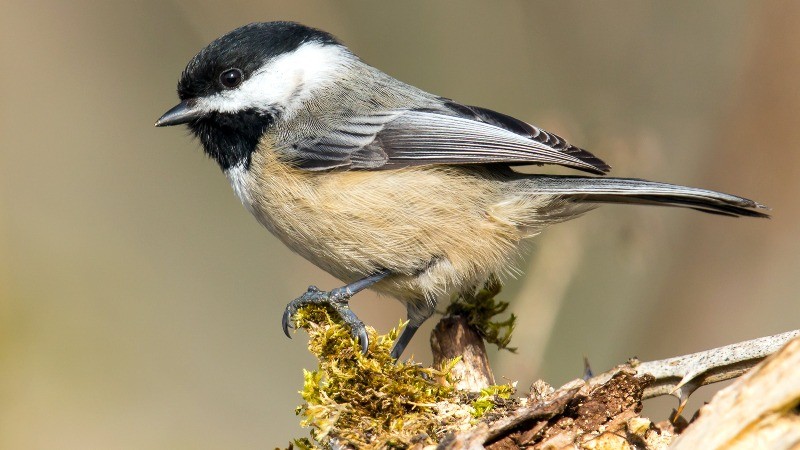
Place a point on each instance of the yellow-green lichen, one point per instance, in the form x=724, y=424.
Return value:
x=373, y=401
x=480, y=307
x=368, y=401
x=489, y=397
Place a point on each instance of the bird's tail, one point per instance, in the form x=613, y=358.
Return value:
x=634, y=191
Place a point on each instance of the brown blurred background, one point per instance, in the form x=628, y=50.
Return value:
x=140, y=303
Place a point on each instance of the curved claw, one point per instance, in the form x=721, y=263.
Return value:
x=357, y=328
x=285, y=322
x=310, y=296
x=338, y=300
x=363, y=339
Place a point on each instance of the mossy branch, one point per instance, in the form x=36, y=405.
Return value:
x=373, y=401
x=480, y=308
x=357, y=401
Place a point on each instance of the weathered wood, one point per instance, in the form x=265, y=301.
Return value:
x=579, y=412
x=759, y=410
x=602, y=412
x=454, y=337
x=682, y=375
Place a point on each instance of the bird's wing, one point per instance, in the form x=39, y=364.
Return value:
x=456, y=135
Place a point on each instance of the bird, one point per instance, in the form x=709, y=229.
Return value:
x=384, y=185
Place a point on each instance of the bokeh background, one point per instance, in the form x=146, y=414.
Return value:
x=140, y=303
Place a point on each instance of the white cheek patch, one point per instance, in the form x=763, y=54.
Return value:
x=285, y=81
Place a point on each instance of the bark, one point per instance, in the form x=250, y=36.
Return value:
x=454, y=337
x=603, y=412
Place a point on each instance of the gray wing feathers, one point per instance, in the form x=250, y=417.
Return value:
x=631, y=190
x=419, y=137
x=349, y=144
x=526, y=130
x=397, y=138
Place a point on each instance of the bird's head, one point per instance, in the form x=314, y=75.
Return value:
x=237, y=87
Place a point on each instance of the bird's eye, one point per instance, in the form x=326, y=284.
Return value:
x=231, y=78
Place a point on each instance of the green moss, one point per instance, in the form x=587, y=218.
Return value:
x=480, y=307
x=373, y=401
x=366, y=401
x=489, y=397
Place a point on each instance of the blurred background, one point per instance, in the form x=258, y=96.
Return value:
x=140, y=303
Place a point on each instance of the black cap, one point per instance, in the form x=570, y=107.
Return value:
x=246, y=48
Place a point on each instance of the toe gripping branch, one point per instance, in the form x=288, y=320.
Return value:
x=339, y=300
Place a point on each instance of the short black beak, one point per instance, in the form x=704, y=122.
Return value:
x=184, y=112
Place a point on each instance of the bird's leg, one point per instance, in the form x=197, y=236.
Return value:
x=418, y=312
x=338, y=299
x=403, y=340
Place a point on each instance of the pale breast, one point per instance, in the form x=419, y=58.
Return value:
x=438, y=227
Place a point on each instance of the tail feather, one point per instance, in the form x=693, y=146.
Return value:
x=636, y=191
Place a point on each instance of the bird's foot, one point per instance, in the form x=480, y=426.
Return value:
x=338, y=299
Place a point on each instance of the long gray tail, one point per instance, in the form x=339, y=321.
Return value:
x=642, y=192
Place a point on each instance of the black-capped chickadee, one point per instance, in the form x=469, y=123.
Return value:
x=381, y=184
